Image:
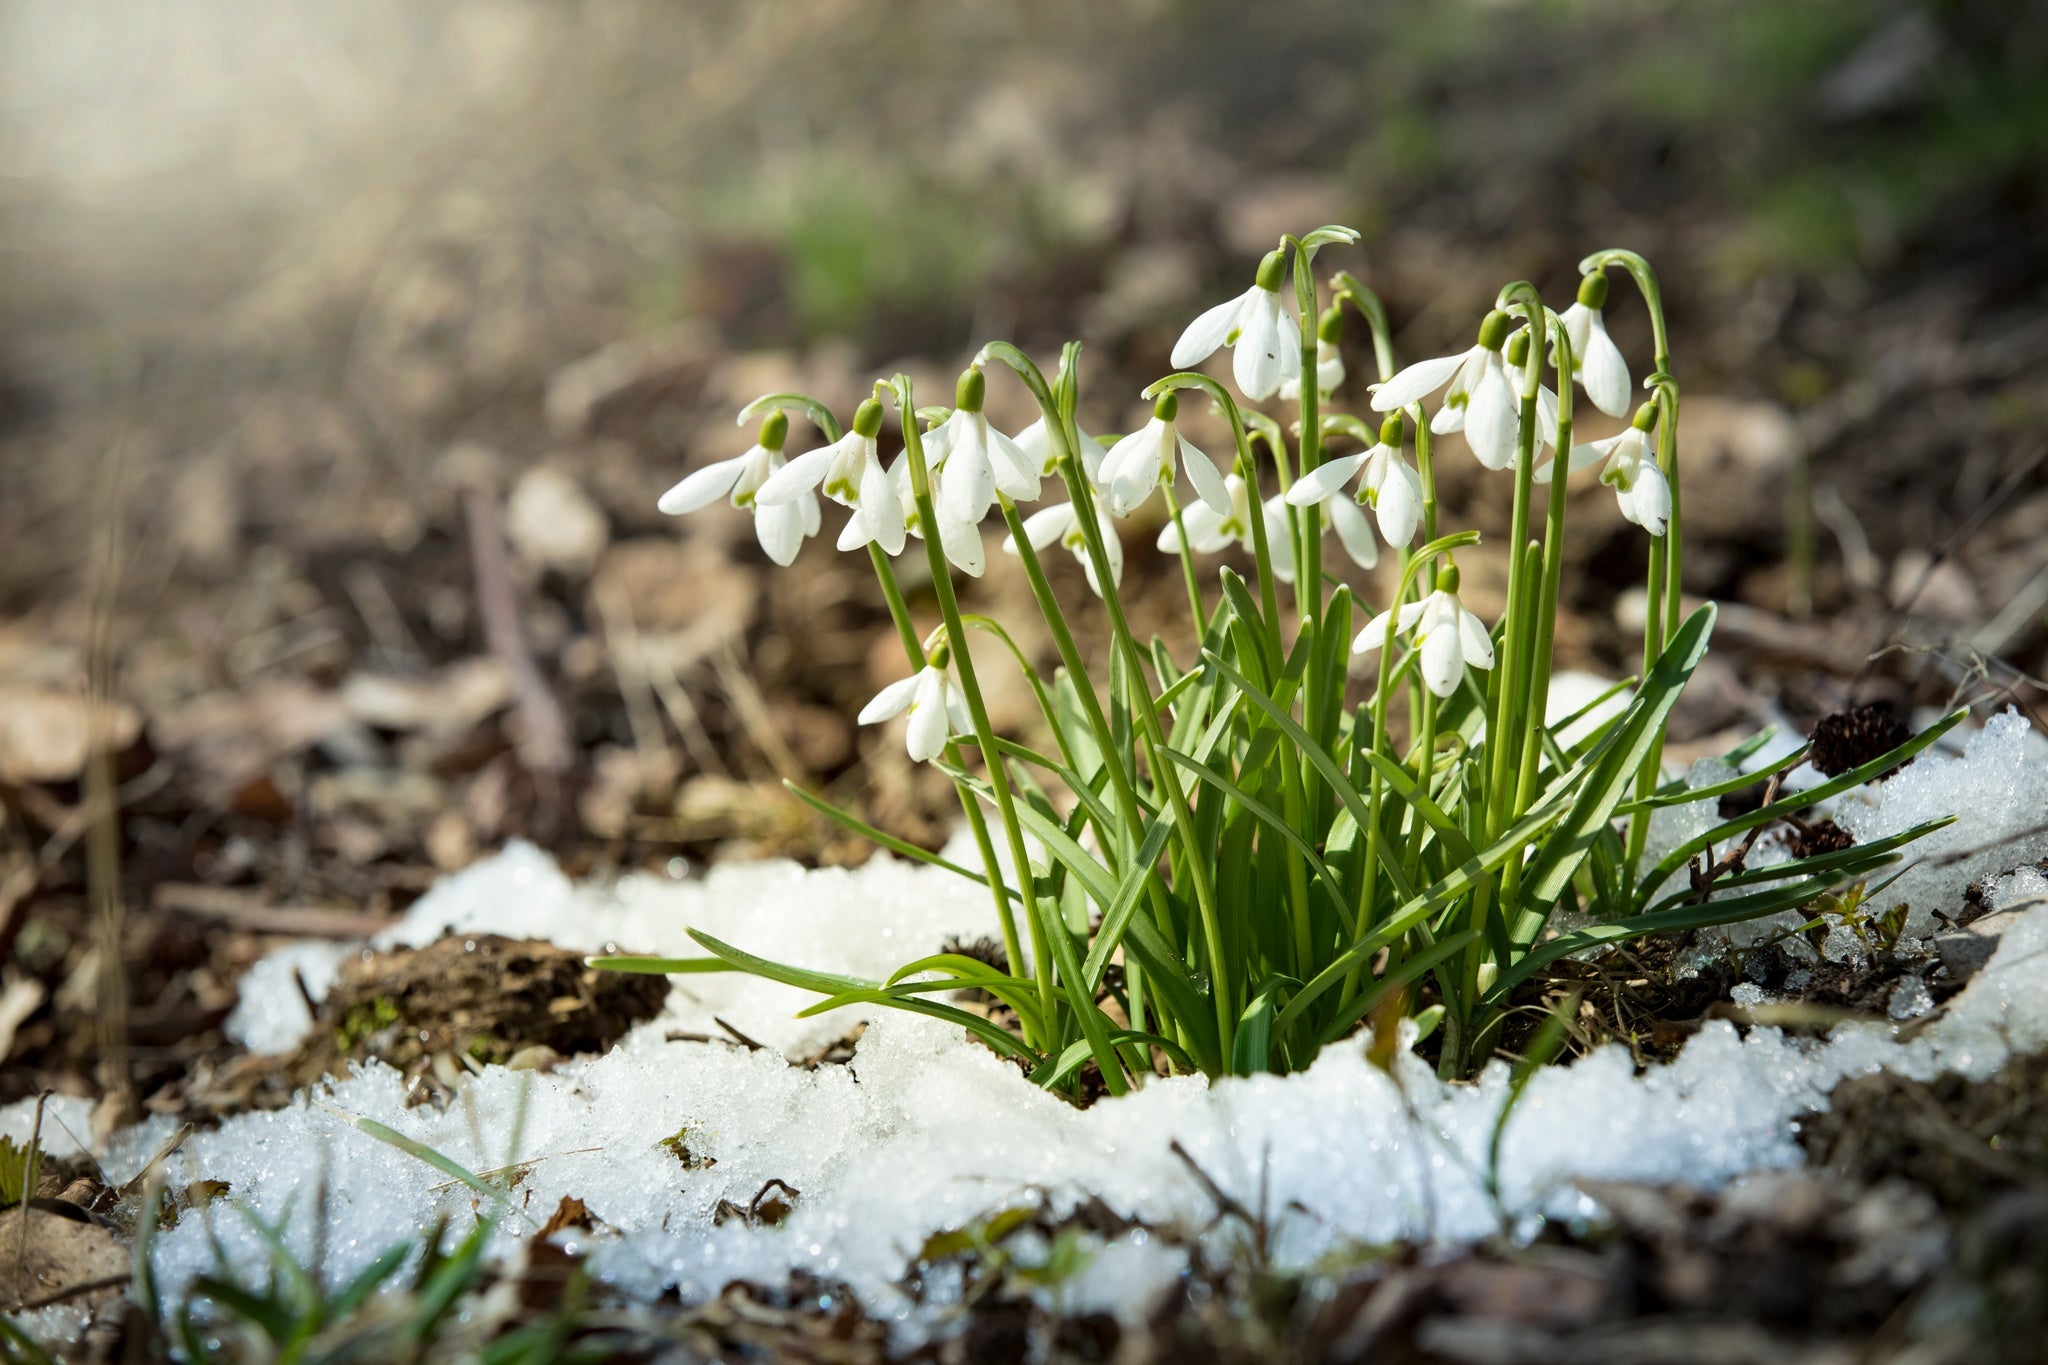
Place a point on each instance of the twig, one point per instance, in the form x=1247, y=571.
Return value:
x=251, y=913
x=1732, y=863
x=543, y=743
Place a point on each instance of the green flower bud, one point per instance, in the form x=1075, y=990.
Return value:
x=1593, y=290
x=1518, y=348
x=774, y=430
x=939, y=655
x=1493, y=329
x=970, y=391
x=1646, y=417
x=1330, y=326
x=1166, y=406
x=1447, y=577
x=1394, y=431
x=867, y=418
x=1271, y=269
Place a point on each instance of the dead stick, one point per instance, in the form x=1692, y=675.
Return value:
x=544, y=744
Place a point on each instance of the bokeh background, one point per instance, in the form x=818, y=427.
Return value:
x=344, y=350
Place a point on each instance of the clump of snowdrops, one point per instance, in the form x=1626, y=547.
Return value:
x=1239, y=829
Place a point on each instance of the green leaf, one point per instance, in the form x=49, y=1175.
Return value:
x=1116, y=917
x=1612, y=772
x=885, y=839
x=658, y=966
x=1252, y=1045
x=1053, y=1073
x=803, y=978
x=1715, y=912
x=1325, y=765
x=1685, y=796
x=1844, y=864
x=450, y=1278
x=275, y=1320
x=1272, y=819
x=418, y=1150
x=1798, y=801
x=1407, y=969
x=997, y=1037
x=352, y=1295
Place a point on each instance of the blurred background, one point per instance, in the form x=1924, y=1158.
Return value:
x=344, y=350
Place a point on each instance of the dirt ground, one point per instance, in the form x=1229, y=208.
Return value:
x=334, y=402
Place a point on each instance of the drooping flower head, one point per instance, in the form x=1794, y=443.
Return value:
x=936, y=706
x=1329, y=358
x=1062, y=522
x=981, y=461
x=1479, y=402
x=1387, y=483
x=1138, y=462
x=1596, y=361
x=959, y=539
x=1631, y=471
x=782, y=527
x=1209, y=533
x=1266, y=343
x=849, y=471
x=1038, y=447
x=1448, y=637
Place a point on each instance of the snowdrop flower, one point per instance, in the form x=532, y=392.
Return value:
x=936, y=706
x=1266, y=342
x=1449, y=637
x=1038, y=448
x=979, y=460
x=1479, y=402
x=1062, y=523
x=1596, y=361
x=849, y=471
x=1631, y=470
x=1390, y=485
x=959, y=539
x=782, y=527
x=1329, y=359
x=1209, y=533
x=1138, y=462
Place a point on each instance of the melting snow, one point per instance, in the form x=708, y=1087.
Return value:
x=926, y=1130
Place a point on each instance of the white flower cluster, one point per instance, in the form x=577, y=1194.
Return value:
x=971, y=463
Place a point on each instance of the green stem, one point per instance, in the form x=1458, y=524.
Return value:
x=1042, y=947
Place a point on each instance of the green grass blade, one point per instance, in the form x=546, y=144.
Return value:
x=1611, y=775
x=884, y=839
x=658, y=966
x=1799, y=801
x=1271, y=818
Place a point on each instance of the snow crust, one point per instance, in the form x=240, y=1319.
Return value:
x=925, y=1130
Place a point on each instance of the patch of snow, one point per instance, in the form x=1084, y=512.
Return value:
x=271, y=1016
x=926, y=1131
x=1998, y=785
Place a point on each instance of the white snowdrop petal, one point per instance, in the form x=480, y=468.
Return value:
x=1325, y=480
x=1602, y=370
x=962, y=543
x=780, y=529
x=1016, y=473
x=1354, y=532
x=1207, y=479
x=857, y=532
x=796, y=478
x=1415, y=383
x=1443, y=663
x=1411, y=612
x=1491, y=420
x=890, y=701
x=704, y=487
x=1206, y=333
x=1474, y=640
x=957, y=712
x=1652, y=499
x=1400, y=503
x=1378, y=632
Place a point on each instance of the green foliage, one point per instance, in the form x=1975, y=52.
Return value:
x=1266, y=861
